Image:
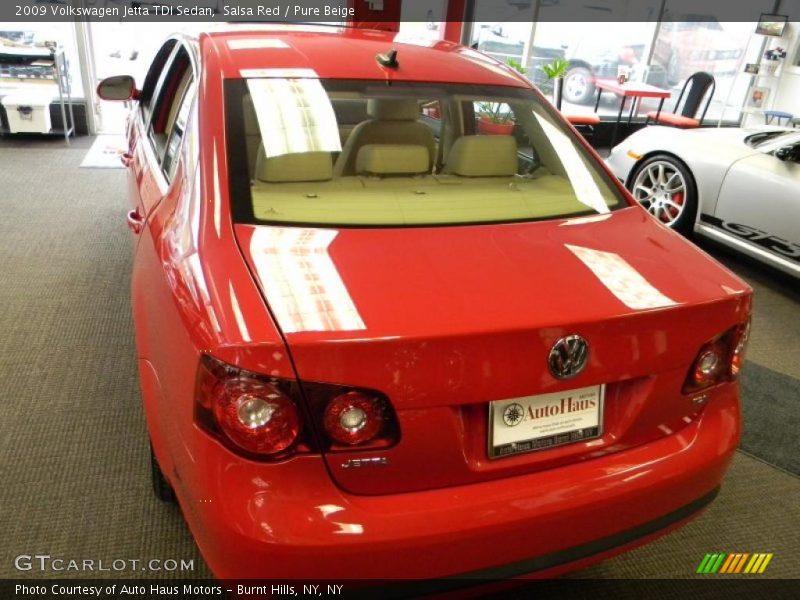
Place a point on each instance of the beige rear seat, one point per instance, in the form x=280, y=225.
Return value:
x=392, y=121
x=482, y=156
x=395, y=187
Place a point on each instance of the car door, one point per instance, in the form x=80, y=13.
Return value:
x=137, y=159
x=759, y=200
x=152, y=129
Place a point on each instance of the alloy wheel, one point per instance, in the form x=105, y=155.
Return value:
x=661, y=188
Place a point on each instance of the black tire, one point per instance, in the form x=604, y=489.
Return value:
x=664, y=185
x=161, y=487
x=578, y=87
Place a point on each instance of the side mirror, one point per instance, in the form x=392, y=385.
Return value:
x=118, y=88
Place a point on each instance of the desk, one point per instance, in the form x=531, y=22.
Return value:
x=629, y=89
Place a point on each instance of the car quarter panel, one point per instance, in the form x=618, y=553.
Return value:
x=192, y=293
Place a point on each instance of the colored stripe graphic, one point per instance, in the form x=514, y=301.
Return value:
x=727, y=564
x=711, y=563
x=740, y=564
x=718, y=563
x=754, y=563
x=764, y=564
x=701, y=568
x=737, y=562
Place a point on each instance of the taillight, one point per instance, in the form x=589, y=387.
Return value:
x=740, y=348
x=264, y=416
x=719, y=360
x=352, y=419
x=710, y=364
x=255, y=414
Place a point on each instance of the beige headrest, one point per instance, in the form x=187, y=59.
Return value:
x=393, y=109
x=392, y=159
x=303, y=166
x=483, y=156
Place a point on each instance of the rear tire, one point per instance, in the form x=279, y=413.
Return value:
x=664, y=186
x=578, y=86
x=161, y=487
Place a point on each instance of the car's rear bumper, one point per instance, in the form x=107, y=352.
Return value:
x=289, y=521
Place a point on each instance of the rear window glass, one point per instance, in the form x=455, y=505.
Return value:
x=354, y=153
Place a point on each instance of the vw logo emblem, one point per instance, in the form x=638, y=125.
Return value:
x=513, y=414
x=568, y=356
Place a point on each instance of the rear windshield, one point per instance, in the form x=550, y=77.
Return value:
x=354, y=153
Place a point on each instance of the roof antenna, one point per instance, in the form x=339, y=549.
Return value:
x=388, y=59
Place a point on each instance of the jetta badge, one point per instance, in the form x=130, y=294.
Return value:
x=568, y=356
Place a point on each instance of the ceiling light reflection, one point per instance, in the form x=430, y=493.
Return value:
x=303, y=286
x=621, y=279
x=294, y=115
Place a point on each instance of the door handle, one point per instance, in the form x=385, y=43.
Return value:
x=135, y=221
x=126, y=158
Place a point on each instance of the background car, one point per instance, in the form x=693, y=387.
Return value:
x=739, y=187
x=695, y=43
x=375, y=341
x=589, y=57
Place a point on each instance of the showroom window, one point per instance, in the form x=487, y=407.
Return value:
x=660, y=43
x=558, y=34
x=689, y=41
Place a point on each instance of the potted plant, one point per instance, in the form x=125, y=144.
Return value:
x=773, y=59
x=555, y=72
x=495, y=118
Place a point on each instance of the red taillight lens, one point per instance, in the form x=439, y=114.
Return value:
x=741, y=336
x=254, y=413
x=710, y=364
x=268, y=418
x=719, y=360
x=354, y=418
x=351, y=419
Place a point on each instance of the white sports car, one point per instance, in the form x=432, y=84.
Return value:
x=740, y=187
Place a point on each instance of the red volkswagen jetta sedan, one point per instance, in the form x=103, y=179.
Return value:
x=394, y=318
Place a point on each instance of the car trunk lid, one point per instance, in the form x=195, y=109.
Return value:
x=445, y=320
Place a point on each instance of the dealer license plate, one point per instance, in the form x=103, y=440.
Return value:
x=545, y=421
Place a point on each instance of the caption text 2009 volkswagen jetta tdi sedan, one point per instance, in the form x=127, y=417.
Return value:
x=394, y=319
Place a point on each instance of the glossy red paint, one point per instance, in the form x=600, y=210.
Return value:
x=509, y=291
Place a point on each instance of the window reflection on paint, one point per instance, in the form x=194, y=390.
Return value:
x=294, y=115
x=349, y=529
x=585, y=220
x=306, y=292
x=621, y=279
x=329, y=509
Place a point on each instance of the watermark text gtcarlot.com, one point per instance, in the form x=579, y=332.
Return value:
x=48, y=563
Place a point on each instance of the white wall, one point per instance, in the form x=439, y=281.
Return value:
x=787, y=95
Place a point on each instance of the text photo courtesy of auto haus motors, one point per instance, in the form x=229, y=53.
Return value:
x=397, y=298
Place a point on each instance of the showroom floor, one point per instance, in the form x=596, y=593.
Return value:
x=75, y=474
